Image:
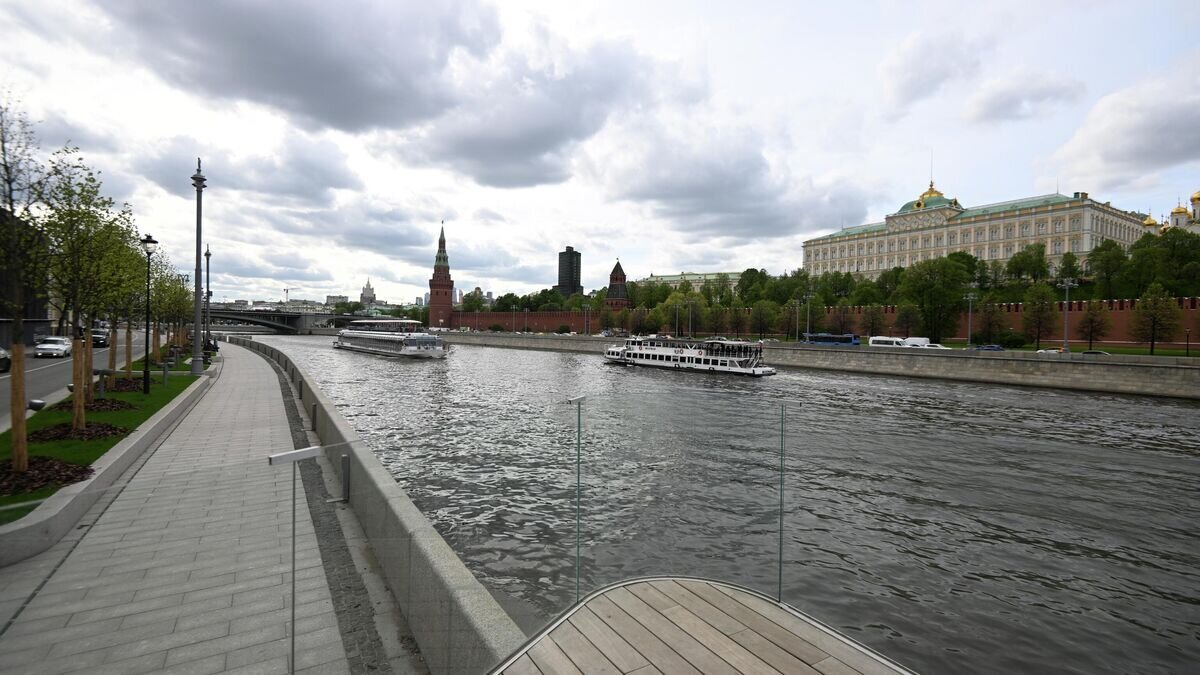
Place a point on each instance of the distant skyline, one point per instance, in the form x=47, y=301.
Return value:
x=678, y=136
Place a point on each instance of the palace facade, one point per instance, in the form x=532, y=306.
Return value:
x=932, y=226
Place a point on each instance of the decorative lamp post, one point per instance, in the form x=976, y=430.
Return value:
x=149, y=245
x=1067, y=285
x=1187, y=349
x=197, y=355
x=526, y=319
x=808, y=296
x=207, y=296
x=970, y=298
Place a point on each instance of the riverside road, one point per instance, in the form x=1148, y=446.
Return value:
x=957, y=527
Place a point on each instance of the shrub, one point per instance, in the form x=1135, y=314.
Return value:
x=1012, y=340
x=563, y=329
x=497, y=328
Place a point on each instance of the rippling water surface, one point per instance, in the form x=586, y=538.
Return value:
x=955, y=527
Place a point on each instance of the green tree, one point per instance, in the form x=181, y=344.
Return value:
x=889, y=283
x=763, y=315
x=908, y=316
x=841, y=320
x=738, y=320
x=1156, y=316
x=473, y=301
x=1029, y=262
x=352, y=307
x=873, y=320
x=1105, y=262
x=936, y=287
x=747, y=283
x=1094, y=323
x=991, y=322
x=866, y=293
x=1069, y=267
x=1039, y=317
x=507, y=303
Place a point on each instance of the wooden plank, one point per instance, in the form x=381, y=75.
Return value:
x=780, y=636
x=651, y=596
x=730, y=651
x=668, y=632
x=550, y=659
x=647, y=670
x=650, y=647
x=777, y=657
x=832, y=666
x=700, y=607
x=833, y=645
x=582, y=653
x=522, y=666
x=623, y=655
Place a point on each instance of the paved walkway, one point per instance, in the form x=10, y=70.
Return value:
x=186, y=568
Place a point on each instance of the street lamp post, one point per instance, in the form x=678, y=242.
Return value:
x=148, y=245
x=1187, y=349
x=207, y=296
x=970, y=298
x=1067, y=284
x=526, y=319
x=808, y=321
x=197, y=355
x=796, y=302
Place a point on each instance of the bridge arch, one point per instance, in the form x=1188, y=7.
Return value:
x=266, y=319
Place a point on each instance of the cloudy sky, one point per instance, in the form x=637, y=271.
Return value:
x=677, y=136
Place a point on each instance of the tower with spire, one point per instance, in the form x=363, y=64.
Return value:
x=618, y=296
x=367, y=297
x=441, y=287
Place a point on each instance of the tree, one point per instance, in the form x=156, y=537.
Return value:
x=889, y=283
x=763, y=315
x=1069, y=267
x=353, y=307
x=22, y=255
x=748, y=282
x=991, y=321
x=1156, y=316
x=936, y=287
x=1038, y=315
x=1029, y=262
x=738, y=320
x=1105, y=262
x=907, y=317
x=873, y=321
x=1094, y=323
x=841, y=320
x=473, y=301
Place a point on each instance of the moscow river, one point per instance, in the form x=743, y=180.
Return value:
x=955, y=527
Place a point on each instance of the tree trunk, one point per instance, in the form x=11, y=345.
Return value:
x=78, y=399
x=129, y=349
x=112, y=353
x=89, y=353
x=20, y=444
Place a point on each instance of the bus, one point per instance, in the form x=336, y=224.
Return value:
x=831, y=340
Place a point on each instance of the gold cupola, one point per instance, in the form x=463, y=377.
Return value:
x=1196, y=196
x=1179, y=209
x=1150, y=222
x=933, y=192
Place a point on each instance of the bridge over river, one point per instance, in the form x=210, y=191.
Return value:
x=291, y=323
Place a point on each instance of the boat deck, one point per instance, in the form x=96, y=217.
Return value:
x=680, y=625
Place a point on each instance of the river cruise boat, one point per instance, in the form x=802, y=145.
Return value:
x=715, y=355
x=392, y=337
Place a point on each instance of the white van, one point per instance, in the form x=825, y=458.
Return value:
x=916, y=342
x=884, y=341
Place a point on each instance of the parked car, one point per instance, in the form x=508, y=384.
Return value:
x=58, y=347
x=934, y=345
x=1097, y=352
x=99, y=338
x=986, y=348
x=1052, y=350
x=5, y=360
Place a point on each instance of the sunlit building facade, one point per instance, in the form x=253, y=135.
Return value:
x=932, y=226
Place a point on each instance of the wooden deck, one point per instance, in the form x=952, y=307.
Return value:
x=677, y=625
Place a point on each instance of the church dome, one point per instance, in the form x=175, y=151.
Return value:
x=1196, y=196
x=1179, y=209
x=1150, y=222
x=931, y=192
x=928, y=200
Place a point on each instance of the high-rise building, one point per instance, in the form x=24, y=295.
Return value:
x=368, y=294
x=441, y=287
x=420, y=301
x=569, y=268
x=332, y=300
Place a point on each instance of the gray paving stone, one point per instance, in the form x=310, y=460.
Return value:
x=232, y=642
x=115, y=636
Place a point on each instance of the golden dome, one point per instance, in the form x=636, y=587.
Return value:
x=1150, y=222
x=933, y=192
x=1164, y=228
x=1196, y=196
x=1179, y=209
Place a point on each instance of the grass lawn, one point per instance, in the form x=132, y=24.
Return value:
x=84, y=452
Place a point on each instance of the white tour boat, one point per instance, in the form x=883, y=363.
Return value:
x=713, y=355
x=392, y=337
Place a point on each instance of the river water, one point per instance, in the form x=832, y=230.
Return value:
x=955, y=527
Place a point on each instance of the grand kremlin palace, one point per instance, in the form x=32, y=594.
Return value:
x=932, y=226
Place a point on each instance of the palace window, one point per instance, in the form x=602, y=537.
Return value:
x=1041, y=227
x=1025, y=229
x=1058, y=225
x=1075, y=245
x=1058, y=247
x=1008, y=231
x=1008, y=251
x=952, y=237
x=1075, y=223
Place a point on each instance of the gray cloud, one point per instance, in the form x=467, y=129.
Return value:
x=488, y=216
x=304, y=169
x=1021, y=96
x=234, y=266
x=350, y=66
x=56, y=131
x=521, y=127
x=709, y=182
x=1131, y=135
x=922, y=64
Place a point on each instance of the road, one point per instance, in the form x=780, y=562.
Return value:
x=47, y=379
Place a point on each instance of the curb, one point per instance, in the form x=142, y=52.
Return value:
x=52, y=519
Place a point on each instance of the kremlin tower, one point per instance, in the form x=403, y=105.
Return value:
x=441, y=286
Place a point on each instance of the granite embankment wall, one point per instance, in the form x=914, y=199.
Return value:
x=458, y=625
x=1177, y=377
